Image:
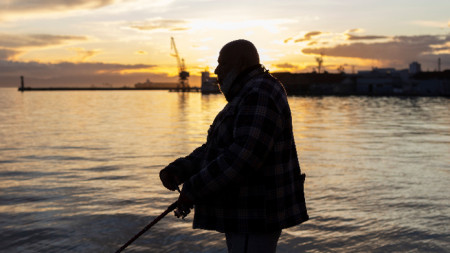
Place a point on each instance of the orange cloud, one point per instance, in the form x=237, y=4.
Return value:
x=141, y=52
x=287, y=40
x=83, y=54
x=35, y=40
x=308, y=36
x=160, y=24
x=285, y=66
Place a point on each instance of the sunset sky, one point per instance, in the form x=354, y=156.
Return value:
x=121, y=42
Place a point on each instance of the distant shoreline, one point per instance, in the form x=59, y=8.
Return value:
x=193, y=89
x=197, y=89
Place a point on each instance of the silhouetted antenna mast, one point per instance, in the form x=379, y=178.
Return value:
x=319, y=61
x=439, y=64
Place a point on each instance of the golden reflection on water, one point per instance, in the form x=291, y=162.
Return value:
x=93, y=158
x=104, y=146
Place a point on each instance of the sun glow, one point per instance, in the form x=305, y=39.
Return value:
x=132, y=37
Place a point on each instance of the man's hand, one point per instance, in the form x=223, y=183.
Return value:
x=184, y=207
x=169, y=179
x=184, y=200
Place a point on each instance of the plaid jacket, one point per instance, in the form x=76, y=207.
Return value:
x=246, y=177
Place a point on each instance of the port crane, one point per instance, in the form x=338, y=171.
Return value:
x=182, y=73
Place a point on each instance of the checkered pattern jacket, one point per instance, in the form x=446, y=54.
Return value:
x=246, y=178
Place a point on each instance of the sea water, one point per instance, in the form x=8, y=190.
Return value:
x=79, y=171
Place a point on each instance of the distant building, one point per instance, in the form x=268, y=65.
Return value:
x=209, y=84
x=380, y=82
x=315, y=84
x=431, y=84
x=414, y=68
x=375, y=82
x=155, y=86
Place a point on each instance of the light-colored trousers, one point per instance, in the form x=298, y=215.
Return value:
x=252, y=243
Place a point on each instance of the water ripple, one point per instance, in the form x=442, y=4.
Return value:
x=83, y=175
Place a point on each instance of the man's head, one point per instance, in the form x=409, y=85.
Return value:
x=235, y=57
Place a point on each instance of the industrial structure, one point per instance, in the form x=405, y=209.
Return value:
x=209, y=84
x=182, y=73
x=375, y=82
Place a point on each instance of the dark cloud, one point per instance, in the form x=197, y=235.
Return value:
x=308, y=36
x=73, y=74
x=164, y=24
x=35, y=40
x=430, y=62
x=65, y=68
x=400, y=50
x=354, y=30
x=366, y=37
x=49, y=5
x=6, y=54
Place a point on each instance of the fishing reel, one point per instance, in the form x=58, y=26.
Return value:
x=182, y=212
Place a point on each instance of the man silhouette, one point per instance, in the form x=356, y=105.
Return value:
x=245, y=181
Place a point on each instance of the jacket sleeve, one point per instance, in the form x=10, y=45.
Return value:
x=185, y=167
x=258, y=121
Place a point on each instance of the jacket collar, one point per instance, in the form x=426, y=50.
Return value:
x=242, y=79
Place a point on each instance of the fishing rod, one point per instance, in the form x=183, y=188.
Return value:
x=180, y=212
x=169, y=209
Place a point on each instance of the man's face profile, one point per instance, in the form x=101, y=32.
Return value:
x=222, y=69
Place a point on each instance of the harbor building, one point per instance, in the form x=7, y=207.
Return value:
x=375, y=82
x=209, y=84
